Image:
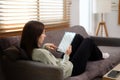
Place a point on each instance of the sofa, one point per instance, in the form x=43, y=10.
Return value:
x=14, y=65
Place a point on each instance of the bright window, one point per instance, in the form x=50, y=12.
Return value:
x=15, y=13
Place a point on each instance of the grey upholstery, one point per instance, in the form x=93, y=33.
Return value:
x=104, y=41
x=15, y=68
x=1, y=72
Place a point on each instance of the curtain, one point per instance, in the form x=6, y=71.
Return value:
x=119, y=13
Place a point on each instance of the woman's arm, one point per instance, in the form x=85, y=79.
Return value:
x=50, y=46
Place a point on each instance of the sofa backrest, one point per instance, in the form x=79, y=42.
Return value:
x=9, y=41
x=56, y=35
x=1, y=72
x=52, y=36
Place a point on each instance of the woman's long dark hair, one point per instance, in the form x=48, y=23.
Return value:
x=30, y=35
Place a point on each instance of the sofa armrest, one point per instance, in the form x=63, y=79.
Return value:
x=31, y=70
x=106, y=41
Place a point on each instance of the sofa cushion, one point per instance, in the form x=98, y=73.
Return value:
x=14, y=53
x=56, y=36
x=9, y=41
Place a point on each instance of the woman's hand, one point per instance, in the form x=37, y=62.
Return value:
x=50, y=46
x=69, y=50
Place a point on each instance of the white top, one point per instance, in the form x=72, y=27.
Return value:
x=46, y=57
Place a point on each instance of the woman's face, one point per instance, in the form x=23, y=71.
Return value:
x=41, y=38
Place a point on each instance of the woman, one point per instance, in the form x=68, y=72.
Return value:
x=73, y=62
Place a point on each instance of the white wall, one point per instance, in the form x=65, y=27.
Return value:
x=90, y=21
x=80, y=14
x=74, y=13
x=85, y=14
x=112, y=24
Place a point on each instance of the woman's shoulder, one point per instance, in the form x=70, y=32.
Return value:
x=39, y=53
x=43, y=55
x=40, y=50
